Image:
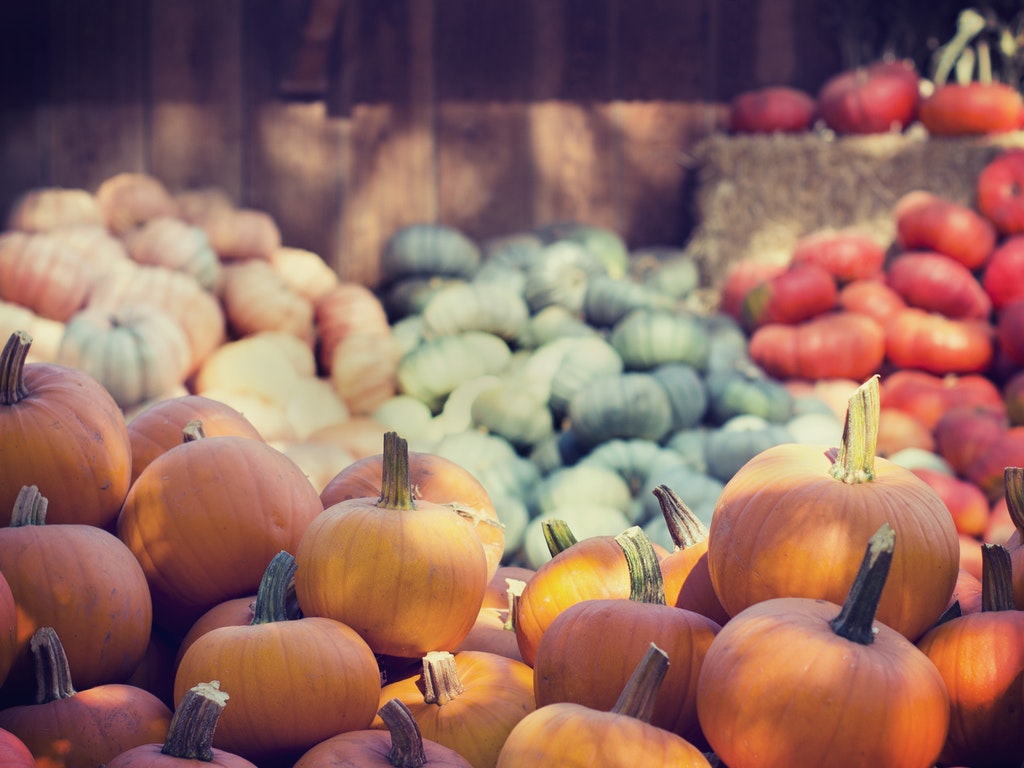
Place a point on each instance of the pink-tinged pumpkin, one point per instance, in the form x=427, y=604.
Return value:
x=972, y=109
x=169, y=242
x=928, y=341
x=772, y=109
x=46, y=208
x=799, y=293
x=794, y=498
x=871, y=297
x=1003, y=277
x=880, y=97
x=928, y=396
x=963, y=432
x=41, y=272
x=830, y=346
x=129, y=200
x=926, y=221
x=848, y=253
x=742, y=277
x=937, y=283
x=256, y=298
x=989, y=467
x=1010, y=331
x=999, y=191
x=966, y=502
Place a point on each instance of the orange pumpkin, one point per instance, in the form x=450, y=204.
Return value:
x=256, y=298
x=576, y=662
x=85, y=726
x=468, y=701
x=169, y=242
x=407, y=574
x=130, y=199
x=14, y=753
x=932, y=342
x=932, y=222
x=800, y=681
x=799, y=500
x=928, y=396
x=41, y=272
x=871, y=297
x=434, y=479
x=981, y=659
x=46, y=208
x=205, y=517
x=189, y=739
x=323, y=676
x=571, y=735
x=81, y=581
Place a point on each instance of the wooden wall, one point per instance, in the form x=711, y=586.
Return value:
x=489, y=115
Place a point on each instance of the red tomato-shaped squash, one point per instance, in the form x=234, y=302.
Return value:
x=799, y=293
x=773, y=109
x=1000, y=191
x=1010, y=330
x=940, y=284
x=836, y=345
x=880, y=97
x=1003, y=277
x=972, y=109
x=929, y=222
x=848, y=254
x=928, y=341
x=871, y=297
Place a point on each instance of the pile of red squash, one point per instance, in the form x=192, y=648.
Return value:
x=938, y=313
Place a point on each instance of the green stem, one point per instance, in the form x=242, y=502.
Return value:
x=557, y=535
x=190, y=735
x=276, y=590
x=856, y=620
x=685, y=528
x=395, y=487
x=406, y=738
x=29, y=507
x=646, y=583
x=996, y=578
x=638, y=695
x=12, y=368
x=53, y=675
x=855, y=462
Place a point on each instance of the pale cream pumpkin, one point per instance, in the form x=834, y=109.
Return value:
x=167, y=241
x=305, y=272
x=256, y=298
x=348, y=308
x=46, y=333
x=47, y=208
x=364, y=370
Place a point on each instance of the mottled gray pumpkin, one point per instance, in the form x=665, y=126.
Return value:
x=625, y=405
x=428, y=250
x=647, y=338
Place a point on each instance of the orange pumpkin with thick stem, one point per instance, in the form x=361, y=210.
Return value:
x=813, y=505
x=434, y=479
x=323, y=676
x=799, y=681
x=64, y=433
x=83, y=582
x=85, y=726
x=573, y=646
x=205, y=517
x=981, y=659
x=409, y=575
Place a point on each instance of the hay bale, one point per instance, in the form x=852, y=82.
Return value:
x=756, y=195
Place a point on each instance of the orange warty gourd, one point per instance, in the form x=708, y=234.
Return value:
x=189, y=742
x=297, y=682
x=571, y=735
x=799, y=681
x=205, y=517
x=64, y=433
x=81, y=581
x=981, y=659
x=408, y=575
x=434, y=479
x=588, y=652
x=787, y=522
x=87, y=727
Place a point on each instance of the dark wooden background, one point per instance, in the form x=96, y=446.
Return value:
x=488, y=115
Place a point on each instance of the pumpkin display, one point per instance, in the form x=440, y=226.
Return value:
x=771, y=109
x=863, y=671
x=408, y=574
x=69, y=726
x=204, y=518
x=65, y=434
x=879, y=97
x=310, y=659
x=801, y=495
x=577, y=736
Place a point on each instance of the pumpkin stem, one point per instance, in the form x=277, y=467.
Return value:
x=406, y=738
x=53, y=675
x=1013, y=481
x=996, y=578
x=395, y=487
x=193, y=430
x=440, y=678
x=855, y=621
x=514, y=592
x=12, y=368
x=646, y=583
x=275, y=595
x=685, y=528
x=855, y=462
x=638, y=695
x=190, y=735
x=558, y=536
x=29, y=507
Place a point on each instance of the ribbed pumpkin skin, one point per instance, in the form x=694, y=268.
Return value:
x=784, y=527
x=370, y=749
x=205, y=518
x=68, y=438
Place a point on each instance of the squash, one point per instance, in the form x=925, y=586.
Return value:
x=45, y=208
x=626, y=405
x=168, y=241
x=43, y=273
x=428, y=250
x=647, y=338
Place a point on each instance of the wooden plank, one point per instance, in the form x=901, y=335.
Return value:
x=23, y=150
x=98, y=96
x=389, y=165
x=290, y=164
x=196, y=90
